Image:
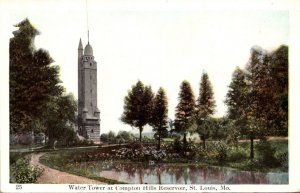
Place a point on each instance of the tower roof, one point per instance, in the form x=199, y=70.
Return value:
x=88, y=50
x=80, y=45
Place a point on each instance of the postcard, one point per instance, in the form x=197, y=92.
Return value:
x=149, y=96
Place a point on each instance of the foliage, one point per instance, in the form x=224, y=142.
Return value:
x=266, y=154
x=204, y=109
x=59, y=119
x=257, y=98
x=121, y=137
x=237, y=155
x=184, y=109
x=279, y=76
x=104, y=138
x=202, y=154
x=138, y=106
x=22, y=172
x=68, y=160
x=159, y=118
x=111, y=136
x=268, y=99
x=283, y=159
x=146, y=153
x=233, y=133
x=205, y=128
x=33, y=80
x=177, y=146
x=37, y=100
x=221, y=151
x=237, y=101
x=205, y=102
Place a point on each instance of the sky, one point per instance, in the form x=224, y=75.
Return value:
x=160, y=43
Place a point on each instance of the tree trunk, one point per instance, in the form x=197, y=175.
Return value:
x=203, y=139
x=140, y=135
x=184, y=144
x=251, y=146
x=158, y=147
x=184, y=138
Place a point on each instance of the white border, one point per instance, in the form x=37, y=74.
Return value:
x=294, y=127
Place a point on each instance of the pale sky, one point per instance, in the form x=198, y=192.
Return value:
x=160, y=43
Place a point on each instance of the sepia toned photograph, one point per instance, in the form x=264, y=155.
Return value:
x=147, y=93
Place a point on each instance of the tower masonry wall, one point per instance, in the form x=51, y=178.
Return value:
x=88, y=113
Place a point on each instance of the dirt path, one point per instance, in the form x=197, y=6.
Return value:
x=52, y=176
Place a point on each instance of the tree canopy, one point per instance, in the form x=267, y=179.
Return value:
x=138, y=106
x=32, y=79
x=185, y=109
x=159, y=118
x=205, y=107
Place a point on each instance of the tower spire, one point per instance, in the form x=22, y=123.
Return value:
x=87, y=21
x=80, y=45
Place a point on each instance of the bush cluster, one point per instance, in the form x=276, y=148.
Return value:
x=236, y=155
x=266, y=154
x=23, y=172
x=221, y=149
x=143, y=153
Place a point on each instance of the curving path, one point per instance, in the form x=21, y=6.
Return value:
x=52, y=176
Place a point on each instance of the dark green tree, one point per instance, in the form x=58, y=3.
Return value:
x=111, y=137
x=259, y=96
x=126, y=136
x=184, y=110
x=267, y=110
x=237, y=102
x=204, y=109
x=32, y=80
x=104, y=137
x=138, y=106
x=159, y=118
x=59, y=119
x=236, y=98
x=279, y=75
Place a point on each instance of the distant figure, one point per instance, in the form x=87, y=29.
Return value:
x=54, y=144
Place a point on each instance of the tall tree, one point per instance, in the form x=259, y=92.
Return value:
x=138, y=106
x=205, y=108
x=159, y=119
x=184, y=109
x=279, y=75
x=236, y=100
x=33, y=80
x=260, y=97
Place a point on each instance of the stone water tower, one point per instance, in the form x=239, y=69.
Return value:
x=88, y=112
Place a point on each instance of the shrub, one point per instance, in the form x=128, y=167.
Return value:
x=177, y=146
x=254, y=163
x=283, y=159
x=221, y=151
x=143, y=153
x=202, y=153
x=23, y=172
x=266, y=154
x=236, y=155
